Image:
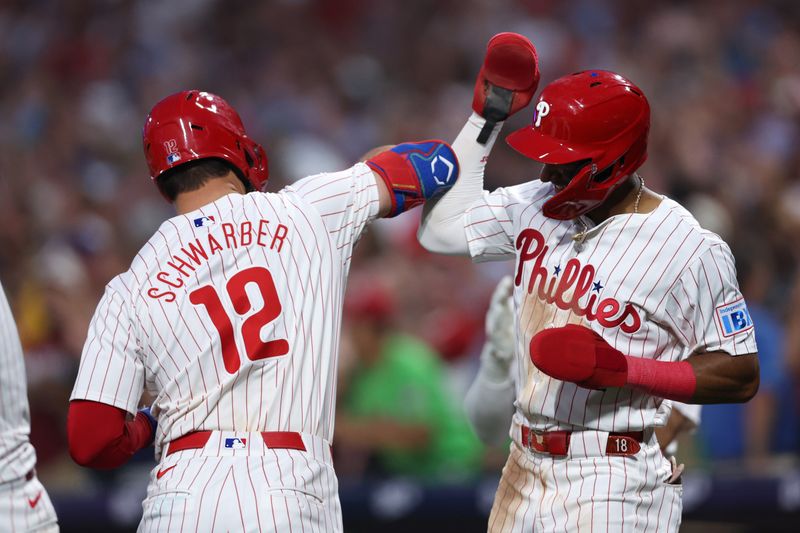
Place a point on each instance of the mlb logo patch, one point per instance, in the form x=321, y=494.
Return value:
x=734, y=318
x=202, y=222
x=235, y=443
x=173, y=158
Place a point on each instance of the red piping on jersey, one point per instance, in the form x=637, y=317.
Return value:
x=101, y=436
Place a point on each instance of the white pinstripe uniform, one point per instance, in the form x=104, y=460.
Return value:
x=653, y=285
x=24, y=504
x=230, y=315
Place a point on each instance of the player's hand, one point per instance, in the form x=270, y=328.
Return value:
x=578, y=354
x=500, y=322
x=677, y=471
x=507, y=80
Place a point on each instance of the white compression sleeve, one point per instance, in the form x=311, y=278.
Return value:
x=442, y=227
x=489, y=403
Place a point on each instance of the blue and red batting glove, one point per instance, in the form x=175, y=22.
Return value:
x=415, y=172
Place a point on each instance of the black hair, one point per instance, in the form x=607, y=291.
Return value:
x=194, y=174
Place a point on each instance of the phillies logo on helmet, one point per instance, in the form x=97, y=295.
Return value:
x=171, y=146
x=542, y=110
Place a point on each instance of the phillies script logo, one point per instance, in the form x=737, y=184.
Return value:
x=576, y=280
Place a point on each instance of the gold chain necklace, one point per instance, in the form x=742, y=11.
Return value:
x=581, y=235
x=638, y=195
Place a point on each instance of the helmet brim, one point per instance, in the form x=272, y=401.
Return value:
x=546, y=149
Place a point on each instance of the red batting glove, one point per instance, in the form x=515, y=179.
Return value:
x=507, y=80
x=578, y=354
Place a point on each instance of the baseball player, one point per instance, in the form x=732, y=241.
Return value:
x=229, y=316
x=24, y=504
x=489, y=400
x=621, y=300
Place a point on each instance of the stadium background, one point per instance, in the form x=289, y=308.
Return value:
x=321, y=82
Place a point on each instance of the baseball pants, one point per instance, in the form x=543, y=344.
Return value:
x=25, y=507
x=235, y=482
x=586, y=490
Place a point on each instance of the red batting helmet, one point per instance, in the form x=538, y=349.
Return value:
x=192, y=125
x=597, y=116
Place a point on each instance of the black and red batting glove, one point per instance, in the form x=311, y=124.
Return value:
x=507, y=80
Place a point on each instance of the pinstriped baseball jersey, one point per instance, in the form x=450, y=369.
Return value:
x=230, y=315
x=24, y=503
x=17, y=456
x=653, y=285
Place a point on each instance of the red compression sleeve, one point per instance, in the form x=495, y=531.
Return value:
x=101, y=436
x=671, y=380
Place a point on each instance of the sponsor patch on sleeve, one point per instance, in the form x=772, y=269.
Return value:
x=734, y=318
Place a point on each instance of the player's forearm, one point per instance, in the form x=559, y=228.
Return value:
x=578, y=354
x=722, y=378
x=101, y=436
x=442, y=227
x=714, y=377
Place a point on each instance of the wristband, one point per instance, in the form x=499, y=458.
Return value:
x=671, y=380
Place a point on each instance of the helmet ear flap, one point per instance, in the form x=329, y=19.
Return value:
x=606, y=173
x=249, y=158
x=256, y=159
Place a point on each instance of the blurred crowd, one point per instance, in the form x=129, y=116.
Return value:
x=321, y=82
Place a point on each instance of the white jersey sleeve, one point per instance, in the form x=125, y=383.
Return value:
x=489, y=221
x=111, y=371
x=488, y=226
x=347, y=201
x=706, y=309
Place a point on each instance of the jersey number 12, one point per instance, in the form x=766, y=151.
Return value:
x=255, y=348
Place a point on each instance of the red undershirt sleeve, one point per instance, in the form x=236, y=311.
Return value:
x=102, y=436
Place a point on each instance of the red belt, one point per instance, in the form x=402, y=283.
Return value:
x=557, y=442
x=290, y=440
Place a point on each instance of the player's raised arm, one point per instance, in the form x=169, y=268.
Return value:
x=506, y=83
